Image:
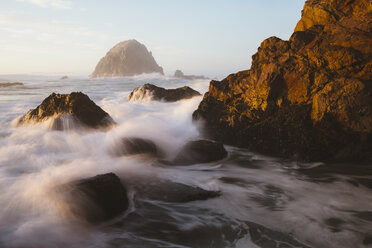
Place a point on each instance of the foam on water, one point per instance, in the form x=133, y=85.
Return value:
x=279, y=200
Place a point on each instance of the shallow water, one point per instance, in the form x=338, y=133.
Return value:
x=264, y=202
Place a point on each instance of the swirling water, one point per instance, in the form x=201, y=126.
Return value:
x=264, y=201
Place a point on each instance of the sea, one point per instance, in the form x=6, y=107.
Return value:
x=264, y=201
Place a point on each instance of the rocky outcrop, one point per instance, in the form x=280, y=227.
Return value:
x=68, y=110
x=308, y=98
x=179, y=74
x=150, y=91
x=10, y=84
x=95, y=199
x=199, y=151
x=128, y=58
x=133, y=146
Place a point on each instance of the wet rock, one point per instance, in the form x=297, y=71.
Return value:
x=96, y=199
x=200, y=151
x=150, y=91
x=179, y=74
x=127, y=58
x=308, y=98
x=163, y=190
x=132, y=146
x=64, y=77
x=68, y=110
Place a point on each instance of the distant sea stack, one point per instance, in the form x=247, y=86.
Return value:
x=179, y=74
x=309, y=98
x=128, y=58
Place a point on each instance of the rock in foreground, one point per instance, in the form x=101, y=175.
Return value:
x=96, y=199
x=68, y=110
x=200, y=151
x=308, y=98
x=150, y=91
x=128, y=58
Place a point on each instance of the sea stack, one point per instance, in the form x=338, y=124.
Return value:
x=308, y=98
x=127, y=58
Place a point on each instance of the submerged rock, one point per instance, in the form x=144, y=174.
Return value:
x=128, y=58
x=200, y=151
x=96, y=199
x=179, y=74
x=68, y=110
x=153, y=92
x=131, y=146
x=10, y=84
x=64, y=77
x=308, y=98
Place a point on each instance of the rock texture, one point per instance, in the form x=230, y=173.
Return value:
x=308, y=98
x=95, y=199
x=153, y=92
x=200, y=151
x=128, y=58
x=76, y=107
x=179, y=74
x=133, y=146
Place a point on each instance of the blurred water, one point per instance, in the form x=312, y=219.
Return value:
x=264, y=202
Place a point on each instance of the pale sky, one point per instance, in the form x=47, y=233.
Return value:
x=208, y=37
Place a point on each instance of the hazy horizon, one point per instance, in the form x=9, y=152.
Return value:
x=212, y=38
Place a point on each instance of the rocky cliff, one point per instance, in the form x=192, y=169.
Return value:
x=128, y=58
x=308, y=98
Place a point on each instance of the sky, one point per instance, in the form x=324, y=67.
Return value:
x=204, y=37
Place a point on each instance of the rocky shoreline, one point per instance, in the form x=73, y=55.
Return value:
x=308, y=98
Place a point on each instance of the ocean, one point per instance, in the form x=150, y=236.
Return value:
x=264, y=201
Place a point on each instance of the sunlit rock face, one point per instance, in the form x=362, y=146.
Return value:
x=153, y=92
x=127, y=58
x=307, y=98
x=68, y=111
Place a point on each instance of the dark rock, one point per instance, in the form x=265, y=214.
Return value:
x=74, y=108
x=128, y=58
x=200, y=151
x=309, y=98
x=179, y=74
x=96, y=199
x=163, y=190
x=150, y=91
x=131, y=146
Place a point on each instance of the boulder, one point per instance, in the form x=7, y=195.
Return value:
x=200, y=151
x=127, y=58
x=150, y=91
x=179, y=74
x=309, y=98
x=132, y=146
x=95, y=199
x=68, y=110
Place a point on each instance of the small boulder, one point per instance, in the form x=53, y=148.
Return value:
x=132, y=146
x=150, y=91
x=95, y=199
x=200, y=151
x=69, y=109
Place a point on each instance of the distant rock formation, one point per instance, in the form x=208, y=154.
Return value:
x=76, y=107
x=179, y=74
x=128, y=58
x=10, y=84
x=308, y=98
x=152, y=92
x=64, y=77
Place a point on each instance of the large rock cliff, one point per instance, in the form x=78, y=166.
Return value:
x=128, y=58
x=308, y=98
